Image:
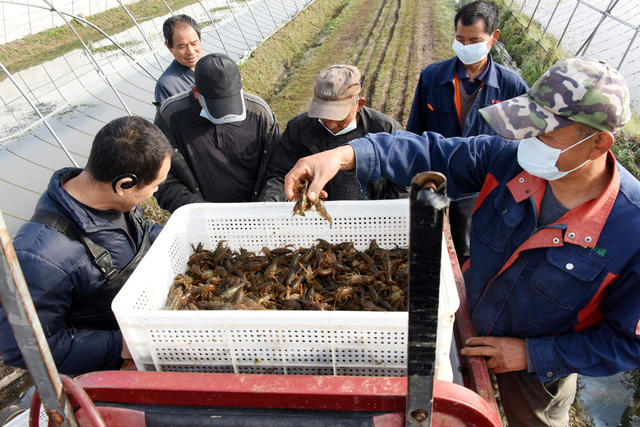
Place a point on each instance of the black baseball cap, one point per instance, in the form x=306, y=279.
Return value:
x=219, y=84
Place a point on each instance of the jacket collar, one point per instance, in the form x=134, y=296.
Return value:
x=583, y=223
x=450, y=69
x=69, y=206
x=317, y=128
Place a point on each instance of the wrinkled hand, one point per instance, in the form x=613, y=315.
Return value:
x=505, y=354
x=319, y=168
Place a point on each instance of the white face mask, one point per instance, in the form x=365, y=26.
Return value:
x=539, y=159
x=471, y=53
x=229, y=118
x=351, y=126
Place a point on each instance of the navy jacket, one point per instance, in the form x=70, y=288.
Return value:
x=60, y=274
x=570, y=288
x=174, y=80
x=434, y=109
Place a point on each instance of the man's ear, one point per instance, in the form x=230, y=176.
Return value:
x=123, y=181
x=603, y=141
x=361, y=102
x=167, y=45
x=495, y=36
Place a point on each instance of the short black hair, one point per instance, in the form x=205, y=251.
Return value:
x=125, y=145
x=471, y=12
x=167, y=27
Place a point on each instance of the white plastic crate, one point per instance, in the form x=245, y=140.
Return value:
x=281, y=342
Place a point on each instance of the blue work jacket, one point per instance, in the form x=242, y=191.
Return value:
x=61, y=275
x=434, y=107
x=571, y=288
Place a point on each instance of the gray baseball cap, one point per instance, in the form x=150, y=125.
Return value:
x=336, y=87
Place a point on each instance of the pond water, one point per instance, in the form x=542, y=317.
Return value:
x=612, y=401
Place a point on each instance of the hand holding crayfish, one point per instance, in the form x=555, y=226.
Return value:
x=305, y=204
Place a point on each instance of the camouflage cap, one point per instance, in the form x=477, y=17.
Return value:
x=573, y=90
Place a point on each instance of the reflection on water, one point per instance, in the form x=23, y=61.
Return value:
x=612, y=401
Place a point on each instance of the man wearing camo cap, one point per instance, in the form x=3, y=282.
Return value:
x=553, y=278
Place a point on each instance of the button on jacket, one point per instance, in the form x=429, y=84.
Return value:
x=571, y=288
x=215, y=163
x=434, y=108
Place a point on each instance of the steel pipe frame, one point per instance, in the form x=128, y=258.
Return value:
x=235, y=18
x=46, y=123
x=144, y=36
x=86, y=49
x=587, y=42
x=215, y=28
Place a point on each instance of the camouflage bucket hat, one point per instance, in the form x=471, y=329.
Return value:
x=573, y=90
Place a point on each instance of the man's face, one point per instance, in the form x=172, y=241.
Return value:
x=336, y=126
x=476, y=33
x=186, y=45
x=566, y=137
x=138, y=194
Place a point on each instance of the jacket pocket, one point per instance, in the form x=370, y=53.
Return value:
x=494, y=222
x=567, y=279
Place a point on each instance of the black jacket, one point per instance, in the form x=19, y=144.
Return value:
x=215, y=163
x=305, y=136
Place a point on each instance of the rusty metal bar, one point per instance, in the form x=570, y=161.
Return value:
x=21, y=313
x=427, y=204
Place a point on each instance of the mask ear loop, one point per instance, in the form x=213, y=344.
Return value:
x=579, y=142
x=583, y=163
x=126, y=185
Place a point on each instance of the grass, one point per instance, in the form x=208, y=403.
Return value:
x=266, y=72
x=533, y=57
x=34, y=49
x=444, y=29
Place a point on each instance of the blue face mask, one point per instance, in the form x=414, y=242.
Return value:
x=351, y=126
x=471, y=53
x=539, y=159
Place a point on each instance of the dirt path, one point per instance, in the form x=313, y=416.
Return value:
x=389, y=41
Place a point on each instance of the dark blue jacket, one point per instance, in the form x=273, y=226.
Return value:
x=174, y=80
x=60, y=274
x=571, y=288
x=434, y=109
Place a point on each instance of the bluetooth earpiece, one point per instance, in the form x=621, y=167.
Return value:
x=114, y=181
